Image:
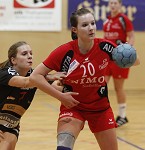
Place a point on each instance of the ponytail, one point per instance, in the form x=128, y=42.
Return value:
x=5, y=64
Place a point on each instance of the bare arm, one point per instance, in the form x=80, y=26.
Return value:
x=20, y=81
x=38, y=78
x=55, y=76
x=137, y=62
x=131, y=38
x=24, y=82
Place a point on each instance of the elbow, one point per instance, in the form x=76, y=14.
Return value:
x=36, y=79
x=32, y=78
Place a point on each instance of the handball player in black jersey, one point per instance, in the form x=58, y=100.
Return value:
x=16, y=91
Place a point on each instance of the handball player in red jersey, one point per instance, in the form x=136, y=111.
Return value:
x=118, y=29
x=84, y=59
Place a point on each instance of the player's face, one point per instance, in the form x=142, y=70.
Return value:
x=23, y=58
x=114, y=6
x=86, y=28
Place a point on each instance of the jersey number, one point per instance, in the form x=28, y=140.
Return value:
x=90, y=69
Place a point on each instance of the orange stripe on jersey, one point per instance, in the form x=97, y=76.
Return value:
x=14, y=108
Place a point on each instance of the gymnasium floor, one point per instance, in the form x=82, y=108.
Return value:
x=38, y=125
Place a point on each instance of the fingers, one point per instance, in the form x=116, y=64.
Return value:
x=56, y=83
x=68, y=101
x=73, y=93
x=71, y=106
x=63, y=73
x=76, y=102
x=56, y=76
x=60, y=75
x=59, y=83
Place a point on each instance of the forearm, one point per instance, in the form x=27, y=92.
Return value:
x=137, y=62
x=20, y=81
x=41, y=83
x=131, y=41
x=131, y=38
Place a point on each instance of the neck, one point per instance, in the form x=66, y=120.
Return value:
x=85, y=47
x=114, y=14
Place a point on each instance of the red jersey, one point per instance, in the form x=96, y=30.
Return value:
x=85, y=72
x=116, y=28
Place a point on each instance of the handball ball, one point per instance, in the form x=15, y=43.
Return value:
x=124, y=55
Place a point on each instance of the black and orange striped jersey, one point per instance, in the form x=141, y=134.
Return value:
x=14, y=101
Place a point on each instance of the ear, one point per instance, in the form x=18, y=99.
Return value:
x=13, y=61
x=74, y=30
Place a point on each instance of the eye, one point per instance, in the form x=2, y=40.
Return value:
x=93, y=23
x=31, y=53
x=24, y=53
x=85, y=24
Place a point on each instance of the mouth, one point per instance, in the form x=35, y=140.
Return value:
x=112, y=8
x=91, y=34
x=30, y=63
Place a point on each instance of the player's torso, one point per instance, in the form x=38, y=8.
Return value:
x=13, y=102
x=113, y=29
x=14, y=98
x=86, y=76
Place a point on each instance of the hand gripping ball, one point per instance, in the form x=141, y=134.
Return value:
x=124, y=55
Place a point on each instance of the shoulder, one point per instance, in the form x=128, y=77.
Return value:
x=105, y=22
x=68, y=45
x=61, y=55
x=102, y=42
x=8, y=71
x=126, y=22
x=125, y=17
x=65, y=49
x=6, y=74
x=62, y=49
x=106, y=46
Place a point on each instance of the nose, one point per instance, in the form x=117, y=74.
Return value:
x=30, y=56
x=90, y=27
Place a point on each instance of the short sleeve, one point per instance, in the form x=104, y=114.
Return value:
x=6, y=74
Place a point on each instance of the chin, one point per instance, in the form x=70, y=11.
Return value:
x=92, y=38
x=29, y=67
